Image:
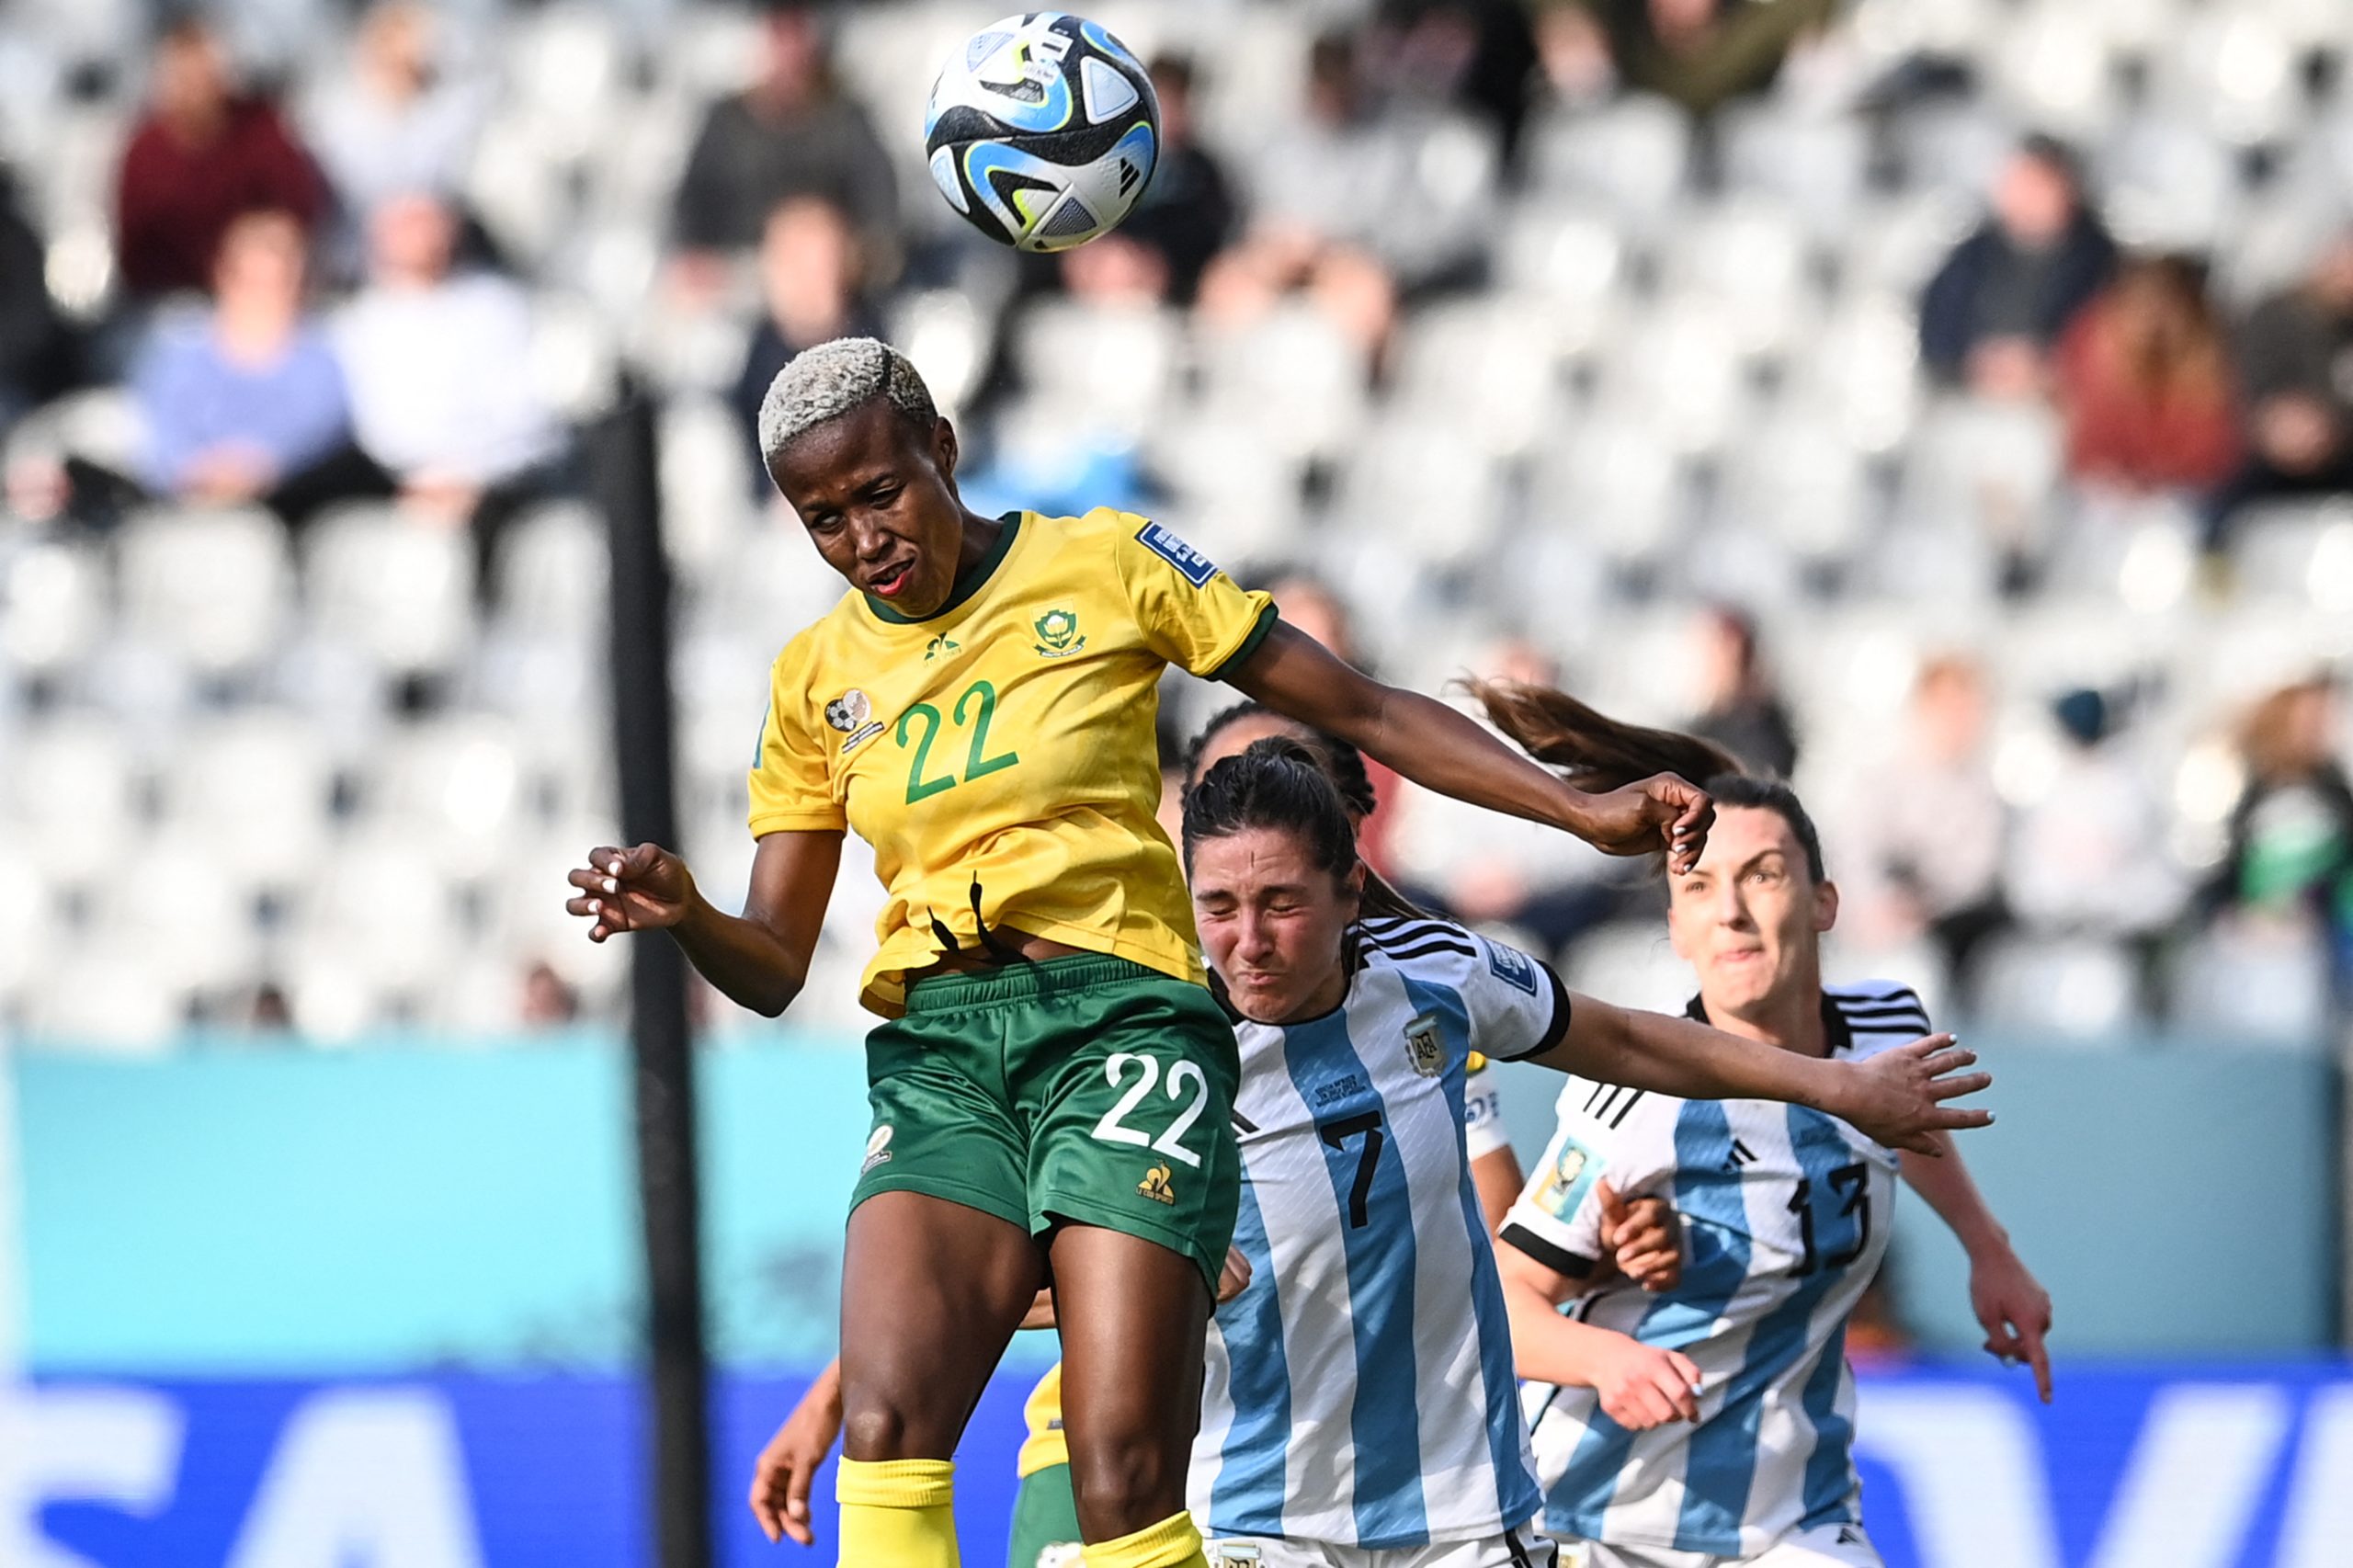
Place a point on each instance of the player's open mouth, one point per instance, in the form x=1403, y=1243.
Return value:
x=887, y=583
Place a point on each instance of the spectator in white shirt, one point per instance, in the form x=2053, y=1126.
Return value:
x=437, y=362
x=394, y=121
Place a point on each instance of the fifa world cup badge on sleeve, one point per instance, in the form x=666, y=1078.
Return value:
x=1575, y=1170
x=1195, y=567
x=1512, y=967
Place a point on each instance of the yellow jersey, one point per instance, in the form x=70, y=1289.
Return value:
x=1000, y=755
x=1045, y=1447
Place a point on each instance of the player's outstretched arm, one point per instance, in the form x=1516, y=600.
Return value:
x=1441, y=749
x=781, y=1477
x=2011, y=1304
x=1897, y=1096
x=1641, y=1385
x=758, y=958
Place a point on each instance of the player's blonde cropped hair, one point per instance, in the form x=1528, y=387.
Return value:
x=825, y=382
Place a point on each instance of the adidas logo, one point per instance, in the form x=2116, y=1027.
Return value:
x=1128, y=176
x=1741, y=1154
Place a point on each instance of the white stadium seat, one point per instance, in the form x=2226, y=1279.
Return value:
x=212, y=588
x=260, y=784
x=72, y=791
x=396, y=587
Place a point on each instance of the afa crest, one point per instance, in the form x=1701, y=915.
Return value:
x=1425, y=1045
x=1058, y=635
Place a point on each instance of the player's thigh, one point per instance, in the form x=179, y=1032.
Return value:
x=1131, y=1083
x=1823, y=1546
x=1045, y=1521
x=940, y=1264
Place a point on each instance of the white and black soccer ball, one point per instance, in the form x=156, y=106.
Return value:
x=1042, y=131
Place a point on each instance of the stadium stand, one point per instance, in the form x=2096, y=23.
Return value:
x=1647, y=364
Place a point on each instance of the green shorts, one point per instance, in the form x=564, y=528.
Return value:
x=1082, y=1088
x=1045, y=1521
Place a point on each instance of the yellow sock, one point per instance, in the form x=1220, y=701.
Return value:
x=898, y=1512
x=1171, y=1543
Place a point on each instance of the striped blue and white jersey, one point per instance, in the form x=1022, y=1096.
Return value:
x=1359, y=1392
x=1786, y=1214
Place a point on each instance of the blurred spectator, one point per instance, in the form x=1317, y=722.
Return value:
x=1743, y=712
x=548, y=1001
x=1307, y=602
x=2144, y=383
x=1188, y=212
x=2290, y=856
x=202, y=154
x=394, y=121
x=2295, y=357
x=1327, y=197
x=2000, y=301
x=32, y=337
x=1477, y=54
x=1925, y=826
x=791, y=132
x=2089, y=855
x=439, y=364
x=812, y=281
x=1485, y=869
x=247, y=402
x=1703, y=53
x=1116, y=269
x=1572, y=53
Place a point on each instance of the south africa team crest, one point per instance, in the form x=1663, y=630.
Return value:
x=1058, y=635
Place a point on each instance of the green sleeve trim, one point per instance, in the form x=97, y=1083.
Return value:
x=1259, y=631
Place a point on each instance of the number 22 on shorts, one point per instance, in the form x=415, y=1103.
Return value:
x=1114, y=1128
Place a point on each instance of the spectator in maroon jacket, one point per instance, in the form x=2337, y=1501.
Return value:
x=203, y=156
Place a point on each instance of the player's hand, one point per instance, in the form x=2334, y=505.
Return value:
x=1643, y=1386
x=1898, y=1097
x=1645, y=1236
x=644, y=888
x=1661, y=812
x=781, y=1477
x=2015, y=1312
x=1235, y=1278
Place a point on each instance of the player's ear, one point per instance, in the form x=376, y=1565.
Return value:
x=943, y=449
x=1352, y=887
x=1825, y=906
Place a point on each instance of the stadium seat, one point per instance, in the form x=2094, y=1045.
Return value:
x=71, y=787
x=1678, y=369
x=2052, y=69
x=1107, y=364
x=106, y=1000
x=950, y=341
x=2264, y=988
x=1424, y=495
x=1570, y=257
x=1294, y=374
x=457, y=783
x=398, y=590
x=2069, y=989
x=1749, y=262
x=32, y=934
x=52, y=602
x=1631, y=155
x=1238, y=492
x=179, y=899
x=709, y=499
x=212, y=588
x=1476, y=367
x=550, y=572
x=1617, y=487
x=1816, y=165
x=2290, y=549
x=383, y=902
x=2233, y=71
x=2168, y=184
x=259, y=782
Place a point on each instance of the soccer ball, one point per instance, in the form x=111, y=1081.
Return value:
x=1042, y=131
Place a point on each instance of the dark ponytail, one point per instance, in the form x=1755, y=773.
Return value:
x=1341, y=764
x=1279, y=783
x=1599, y=754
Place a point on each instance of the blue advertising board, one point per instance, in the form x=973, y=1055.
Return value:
x=2228, y=1467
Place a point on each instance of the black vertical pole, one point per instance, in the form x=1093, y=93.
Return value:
x=625, y=477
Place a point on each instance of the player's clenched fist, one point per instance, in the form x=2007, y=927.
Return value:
x=1643, y=1386
x=644, y=888
x=1645, y=1238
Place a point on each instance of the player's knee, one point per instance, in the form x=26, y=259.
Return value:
x=874, y=1430
x=1123, y=1486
